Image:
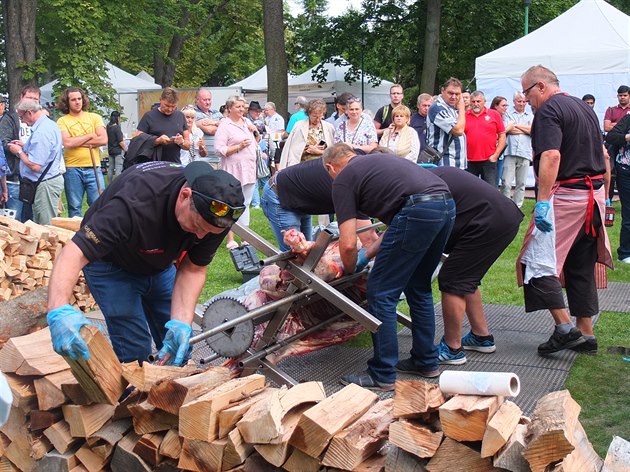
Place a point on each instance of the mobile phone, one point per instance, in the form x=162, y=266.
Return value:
x=322, y=143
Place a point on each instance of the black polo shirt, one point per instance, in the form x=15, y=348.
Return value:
x=378, y=184
x=133, y=224
x=156, y=123
x=306, y=188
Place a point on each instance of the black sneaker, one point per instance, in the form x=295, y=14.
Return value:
x=558, y=341
x=407, y=366
x=588, y=347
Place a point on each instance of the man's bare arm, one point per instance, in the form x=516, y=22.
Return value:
x=65, y=274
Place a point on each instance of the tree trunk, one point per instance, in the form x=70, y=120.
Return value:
x=431, y=47
x=276, y=55
x=19, y=24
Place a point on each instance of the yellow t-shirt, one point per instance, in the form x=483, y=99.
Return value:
x=85, y=123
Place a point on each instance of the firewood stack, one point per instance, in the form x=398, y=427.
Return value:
x=27, y=253
x=66, y=416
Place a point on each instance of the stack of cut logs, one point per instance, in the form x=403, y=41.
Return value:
x=27, y=252
x=66, y=416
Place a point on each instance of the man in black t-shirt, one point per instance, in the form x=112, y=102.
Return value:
x=566, y=235
x=419, y=212
x=383, y=117
x=153, y=216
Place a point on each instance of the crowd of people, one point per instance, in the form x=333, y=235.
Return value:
x=208, y=167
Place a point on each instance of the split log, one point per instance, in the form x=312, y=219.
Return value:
x=111, y=433
x=551, y=430
x=60, y=437
x=7, y=466
x=452, y=455
x=415, y=397
x=320, y=423
x=124, y=459
x=86, y=420
x=146, y=376
x=72, y=224
x=25, y=450
x=24, y=396
x=399, y=460
x=360, y=440
x=149, y=419
x=500, y=428
x=299, y=461
x=236, y=450
x=415, y=438
x=15, y=427
x=24, y=314
x=618, y=456
x=122, y=409
x=583, y=457
x=231, y=415
x=79, y=468
x=199, y=419
x=202, y=456
x=375, y=463
x=101, y=374
x=72, y=389
x=278, y=452
x=510, y=456
x=32, y=354
x=171, y=394
x=48, y=389
x=40, y=420
x=91, y=461
x=263, y=421
x=148, y=448
x=171, y=445
x=54, y=461
x=464, y=417
x=254, y=463
x=307, y=392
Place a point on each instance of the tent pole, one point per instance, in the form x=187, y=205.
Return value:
x=526, y=4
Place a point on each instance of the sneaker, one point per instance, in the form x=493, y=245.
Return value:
x=472, y=342
x=625, y=260
x=558, y=341
x=587, y=347
x=408, y=366
x=447, y=356
x=365, y=380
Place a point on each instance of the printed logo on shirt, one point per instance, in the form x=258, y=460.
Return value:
x=91, y=235
x=487, y=118
x=151, y=251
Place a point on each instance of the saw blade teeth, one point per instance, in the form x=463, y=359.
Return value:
x=233, y=341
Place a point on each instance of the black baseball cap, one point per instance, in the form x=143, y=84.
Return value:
x=211, y=187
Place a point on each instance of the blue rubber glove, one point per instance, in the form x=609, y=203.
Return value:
x=65, y=325
x=608, y=202
x=176, y=342
x=540, y=217
x=362, y=260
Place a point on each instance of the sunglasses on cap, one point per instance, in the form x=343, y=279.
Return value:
x=219, y=208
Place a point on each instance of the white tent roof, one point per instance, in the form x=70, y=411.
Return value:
x=256, y=81
x=335, y=73
x=592, y=37
x=144, y=75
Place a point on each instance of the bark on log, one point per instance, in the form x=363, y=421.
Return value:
x=24, y=314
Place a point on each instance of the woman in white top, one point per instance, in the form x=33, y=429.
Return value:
x=197, y=144
x=358, y=129
x=401, y=138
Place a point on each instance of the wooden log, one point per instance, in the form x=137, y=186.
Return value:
x=415, y=397
x=23, y=315
x=320, y=423
x=102, y=449
x=583, y=457
x=25, y=450
x=91, y=461
x=72, y=224
x=510, y=456
x=40, y=420
x=48, y=389
x=124, y=459
x=299, y=461
x=72, y=389
x=7, y=466
x=13, y=224
x=15, y=427
x=171, y=445
x=199, y=419
x=231, y=415
x=278, y=452
x=54, y=461
x=453, y=455
x=148, y=448
x=464, y=417
x=254, y=463
x=86, y=420
x=374, y=463
x=122, y=409
x=28, y=244
x=4, y=443
x=618, y=456
x=146, y=376
x=551, y=430
x=24, y=396
x=236, y=450
x=500, y=428
x=202, y=456
x=79, y=468
x=361, y=439
x=101, y=374
x=263, y=421
x=39, y=231
x=415, y=438
x=112, y=432
x=60, y=437
x=31, y=354
x=399, y=460
x=171, y=394
x=149, y=419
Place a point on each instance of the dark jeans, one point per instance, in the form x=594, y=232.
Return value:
x=135, y=307
x=485, y=169
x=410, y=251
x=623, y=187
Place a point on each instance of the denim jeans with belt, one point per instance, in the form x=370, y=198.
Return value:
x=410, y=251
x=14, y=202
x=281, y=219
x=623, y=187
x=135, y=307
x=77, y=182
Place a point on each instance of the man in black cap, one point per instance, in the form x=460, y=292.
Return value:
x=143, y=247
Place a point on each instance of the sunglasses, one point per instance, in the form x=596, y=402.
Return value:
x=221, y=209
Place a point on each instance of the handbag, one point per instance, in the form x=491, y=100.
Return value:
x=262, y=169
x=430, y=155
x=28, y=188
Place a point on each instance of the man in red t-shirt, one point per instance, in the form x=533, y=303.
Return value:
x=485, y=138
x=614, y=114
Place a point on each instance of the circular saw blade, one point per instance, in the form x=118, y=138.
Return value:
x=233, y=341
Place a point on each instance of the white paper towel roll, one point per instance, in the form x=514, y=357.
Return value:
x=480, y=383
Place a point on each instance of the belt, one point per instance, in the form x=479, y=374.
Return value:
x=423, y=198
x=53, y=177
x=590, y=227
x=273, y=183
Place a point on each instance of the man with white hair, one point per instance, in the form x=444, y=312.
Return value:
x=274, y=126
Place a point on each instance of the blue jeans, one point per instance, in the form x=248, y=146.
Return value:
x=77, y=182
x=623, y=187
x=135, y=307
x=410, y=251
x=260, y=183
x=500, y=163
x=14, y=202
x=281, y=219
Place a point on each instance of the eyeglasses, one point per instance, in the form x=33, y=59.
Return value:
x=219, y=208
x=528, y=89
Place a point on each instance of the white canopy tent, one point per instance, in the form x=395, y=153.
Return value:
x=127, y=86
x=588, y=47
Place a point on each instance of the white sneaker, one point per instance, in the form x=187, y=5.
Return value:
x=625, y=261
